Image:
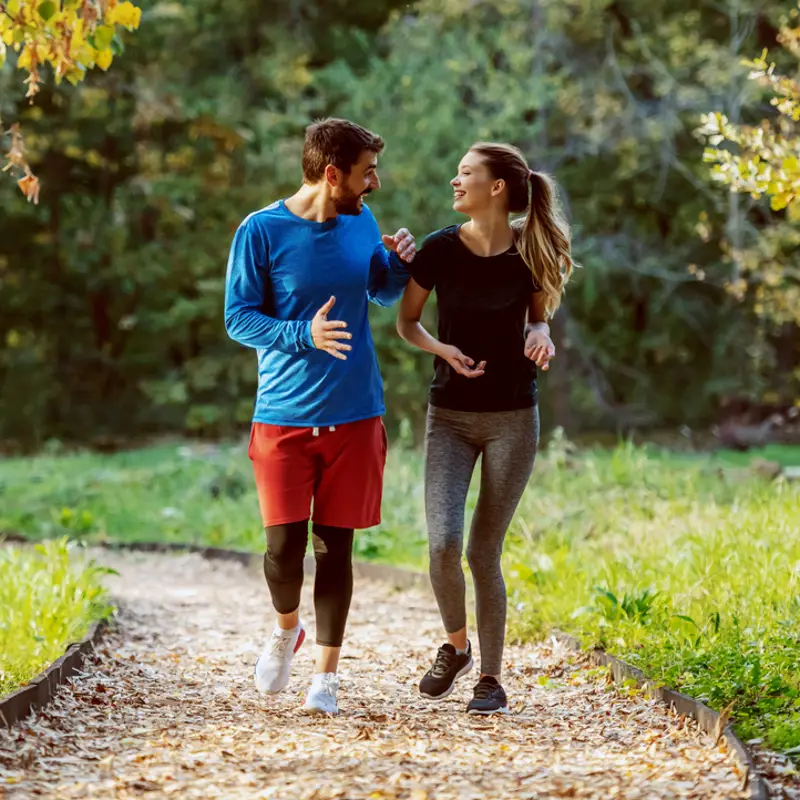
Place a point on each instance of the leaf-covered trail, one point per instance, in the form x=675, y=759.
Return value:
x=170, y=710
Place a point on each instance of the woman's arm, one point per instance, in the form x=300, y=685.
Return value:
x=539, y=346
x=537, y=318
x=411, y=329
x=408, y=319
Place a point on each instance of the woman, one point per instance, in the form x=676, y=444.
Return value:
x=497, y=282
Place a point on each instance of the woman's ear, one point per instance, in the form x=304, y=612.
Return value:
x=497, y=187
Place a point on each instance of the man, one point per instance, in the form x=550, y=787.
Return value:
x=317, y=433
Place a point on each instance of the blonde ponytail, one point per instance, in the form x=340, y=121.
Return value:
x=543, y=240
x=542, y=237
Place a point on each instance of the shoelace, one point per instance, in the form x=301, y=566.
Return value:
x=278, y=646
x=329, y=685
x=442, y=663
x=484, y=690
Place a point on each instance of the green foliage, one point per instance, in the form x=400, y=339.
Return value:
x=606, y=98
x=70, y=38
x=761, y=160
x=48, y=599
x=111, y=290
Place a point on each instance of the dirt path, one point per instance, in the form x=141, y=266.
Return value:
x=170, y=710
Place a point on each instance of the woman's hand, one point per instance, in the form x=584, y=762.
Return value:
x=539, y=347
x=462, y=364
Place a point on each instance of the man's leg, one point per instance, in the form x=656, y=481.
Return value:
x=283, y=464
x=333, y=590
x=283, y=569
x=347, y=497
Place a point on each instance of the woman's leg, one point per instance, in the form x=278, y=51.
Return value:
x=449, y=462
x=508, y=455
x=333, y=590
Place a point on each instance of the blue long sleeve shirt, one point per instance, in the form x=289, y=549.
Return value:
x=281, y=270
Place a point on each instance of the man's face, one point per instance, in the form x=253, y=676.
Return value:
x=348, y=195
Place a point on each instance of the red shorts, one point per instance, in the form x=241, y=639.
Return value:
x=340, y=468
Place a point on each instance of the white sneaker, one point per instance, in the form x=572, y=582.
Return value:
x=274, y=665
x=321, y=697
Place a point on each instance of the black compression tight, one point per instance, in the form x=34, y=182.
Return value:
x=333, y=584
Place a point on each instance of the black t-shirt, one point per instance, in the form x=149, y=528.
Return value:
x=482, y=311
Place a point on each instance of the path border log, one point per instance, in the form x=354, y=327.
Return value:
x=41, y=690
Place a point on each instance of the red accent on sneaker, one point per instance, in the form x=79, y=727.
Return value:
x=301, y=637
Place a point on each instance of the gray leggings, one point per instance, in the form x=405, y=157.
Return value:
x=507, y=440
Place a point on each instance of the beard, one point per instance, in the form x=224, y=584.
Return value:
x=349, y=203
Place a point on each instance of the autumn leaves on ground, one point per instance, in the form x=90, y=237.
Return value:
x=169, y=709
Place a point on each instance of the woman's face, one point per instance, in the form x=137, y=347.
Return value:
x=474, y=188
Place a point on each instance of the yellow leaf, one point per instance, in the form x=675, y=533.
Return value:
x=77, y=39
x=25, y=60
x=103, y=59
x=780, y=201
x=125, y=14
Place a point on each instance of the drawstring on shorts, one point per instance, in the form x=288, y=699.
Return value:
x=315, y=431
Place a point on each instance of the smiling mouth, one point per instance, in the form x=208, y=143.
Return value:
x=458, y=195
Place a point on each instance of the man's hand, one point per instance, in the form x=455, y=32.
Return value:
x=462, y=364
x=539, y=347
x=402, y=243
x=327, y=335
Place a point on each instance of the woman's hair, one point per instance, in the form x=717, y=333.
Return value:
x=542, y=237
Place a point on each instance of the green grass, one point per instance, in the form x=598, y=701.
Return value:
x=178, y=493
x=686, y=565
x=48, y=599
x=687, y=570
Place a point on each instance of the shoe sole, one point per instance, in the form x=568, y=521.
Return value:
x=450, y=689
x=319, y=712
x=301, y=637
x=478, y=713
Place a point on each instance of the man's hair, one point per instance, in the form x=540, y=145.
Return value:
x=338, y=142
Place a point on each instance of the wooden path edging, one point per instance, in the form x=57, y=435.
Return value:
x=706, y=718
x=41, y=690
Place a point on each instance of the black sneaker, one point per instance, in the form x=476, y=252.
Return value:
x=489, y=698
x=439, y=681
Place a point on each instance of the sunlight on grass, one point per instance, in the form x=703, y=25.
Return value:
x=48, y=599
x=689, y=572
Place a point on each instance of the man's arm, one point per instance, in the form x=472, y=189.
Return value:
x=388, y=276
x=246, y=285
